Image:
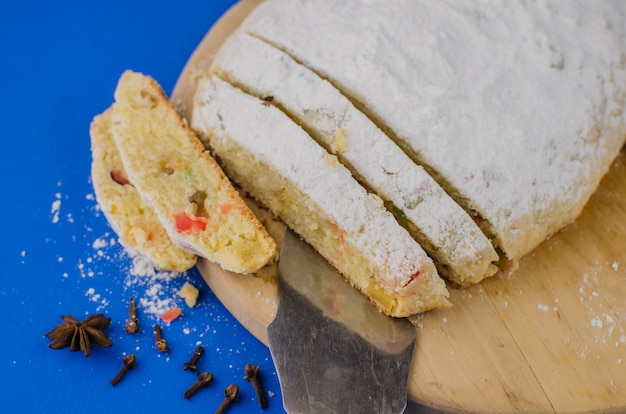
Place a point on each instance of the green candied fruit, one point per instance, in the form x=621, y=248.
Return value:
x=398, y=213
x=190, y=176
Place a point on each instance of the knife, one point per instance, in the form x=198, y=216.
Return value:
x=333, y=350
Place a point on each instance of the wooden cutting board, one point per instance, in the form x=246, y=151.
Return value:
x=547, y=337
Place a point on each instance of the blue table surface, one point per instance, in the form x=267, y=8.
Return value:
x=60, y=65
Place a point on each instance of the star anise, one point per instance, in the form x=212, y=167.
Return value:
x=80, y=335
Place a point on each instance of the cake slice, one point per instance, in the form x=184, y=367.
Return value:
x=131, y=218
x=515, y=108
x=277, y=162
x=448, y=234
x=200, y=209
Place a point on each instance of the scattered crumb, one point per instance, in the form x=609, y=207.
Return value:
x=339, y=144
x=157, y=297
x=331, y=160
x=190, y=293
x=97, y=298
x=596, y=322
x=100, y=243
x=55, y=209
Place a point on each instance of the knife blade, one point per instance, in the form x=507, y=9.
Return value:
x=333, y=350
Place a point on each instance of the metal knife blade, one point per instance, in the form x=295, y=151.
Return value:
x=333, y=350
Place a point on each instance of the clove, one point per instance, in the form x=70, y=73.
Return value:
x=230, y=395
x=204, y=380
x=254, y=377
x=129, y=363
x=132, y=324
x=192, y=365
x=161, y=343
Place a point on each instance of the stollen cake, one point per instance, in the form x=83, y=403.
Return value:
x=516, y=108
x=277, y=162
x=459, y=248
x=131, y=218
x=195, y=202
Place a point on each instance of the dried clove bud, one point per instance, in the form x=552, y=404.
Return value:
x=129, y=363
x=132, y=324
x=192, y=365
x=253, y=376
x=230, y=395
x=204, y=380
x=161, y=343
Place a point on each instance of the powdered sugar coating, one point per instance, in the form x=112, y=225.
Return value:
x=518, y=107
x=444, y=229
x=274, y=138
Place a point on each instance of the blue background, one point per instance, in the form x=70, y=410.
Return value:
x=60, y=62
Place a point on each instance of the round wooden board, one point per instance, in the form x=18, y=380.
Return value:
x=547, y=337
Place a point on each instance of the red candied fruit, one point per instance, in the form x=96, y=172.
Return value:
x=192, y=224
x=412, y=278
x=171, y=314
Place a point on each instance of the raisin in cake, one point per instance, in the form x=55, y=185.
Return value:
x=273, y=159
x=448, y=234
x=195, y=202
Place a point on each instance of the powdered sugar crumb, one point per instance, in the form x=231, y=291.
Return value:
x=55, y=209
x=603, y=316
x=96, y=297
x=84, y=270
x=154, y=294
x=100, y=243
x=158, y=295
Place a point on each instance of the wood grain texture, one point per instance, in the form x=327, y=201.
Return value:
x=547, y=337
